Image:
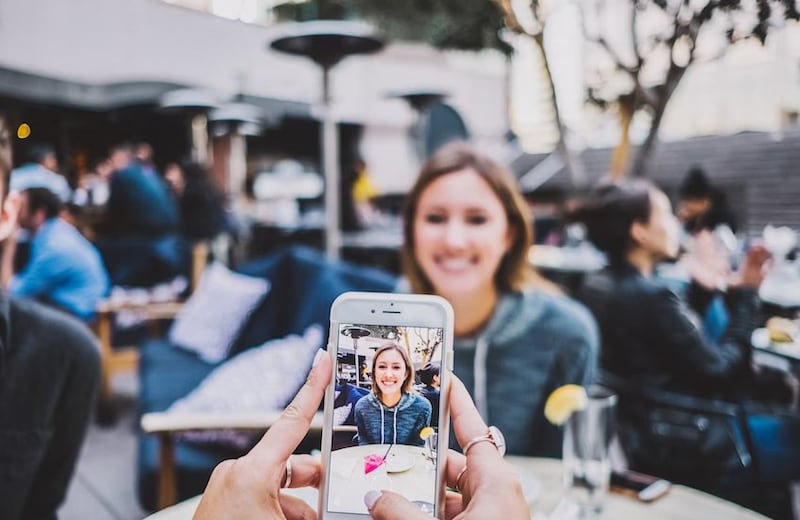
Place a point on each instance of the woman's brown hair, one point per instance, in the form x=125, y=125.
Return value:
x=515, y=271
x=408, y=382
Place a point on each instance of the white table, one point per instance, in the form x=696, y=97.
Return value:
x=543, y=488
x=781, y=356
x=407, y=472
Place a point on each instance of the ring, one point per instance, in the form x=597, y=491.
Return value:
x=493, y=435
x=288, y=480
x=459, y=476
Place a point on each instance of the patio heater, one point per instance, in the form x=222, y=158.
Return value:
x=195, y=103
x=326, y=43
x=356, y=333
x=236, y=120
x=419, y=101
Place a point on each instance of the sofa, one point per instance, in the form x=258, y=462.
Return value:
x=303, y=284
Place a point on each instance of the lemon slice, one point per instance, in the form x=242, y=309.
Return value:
x=563, y=401
x=426, y=432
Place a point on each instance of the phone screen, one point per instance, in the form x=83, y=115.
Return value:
x=385, y=415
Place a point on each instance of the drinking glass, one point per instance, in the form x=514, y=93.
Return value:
x=587, y=437
x=430, y=448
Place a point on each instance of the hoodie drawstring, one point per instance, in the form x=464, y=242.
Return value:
x=479, y=369
x=394, y=413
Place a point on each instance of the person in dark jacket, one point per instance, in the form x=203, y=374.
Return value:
x=650, y=337
x=429, y=376
x=392, y=413
x=647, y=331
x=49, y=374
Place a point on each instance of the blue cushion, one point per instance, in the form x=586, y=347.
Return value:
x=303, y=287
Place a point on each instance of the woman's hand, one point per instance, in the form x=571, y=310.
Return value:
x=249, y=487
x=753, y=269
x=490, y=487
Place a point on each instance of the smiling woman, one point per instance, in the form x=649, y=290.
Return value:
x=392, y=413
x=467, y=232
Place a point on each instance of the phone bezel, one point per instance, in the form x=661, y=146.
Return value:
x=412, y=310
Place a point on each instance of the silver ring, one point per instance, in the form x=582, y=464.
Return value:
x=459, y=476
x=493, y=435
x=288, y=480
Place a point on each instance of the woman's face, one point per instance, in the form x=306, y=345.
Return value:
x=660, y=236
x=390, y=372
x=461, y=233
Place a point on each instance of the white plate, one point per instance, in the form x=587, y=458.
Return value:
x=398, y=462
x=760, y=339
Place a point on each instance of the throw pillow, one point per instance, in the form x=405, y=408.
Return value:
x=214, y=314
x=262, y=378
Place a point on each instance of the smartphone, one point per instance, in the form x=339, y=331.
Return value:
x=386, y=415
x=644, y=487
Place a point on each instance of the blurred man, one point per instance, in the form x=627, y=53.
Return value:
x=49, y=372
x=142, y=247
x=64, y=269
x=40, y=172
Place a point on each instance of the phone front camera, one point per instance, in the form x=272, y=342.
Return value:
x=373, y=311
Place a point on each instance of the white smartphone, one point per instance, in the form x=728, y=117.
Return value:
x=386, y=414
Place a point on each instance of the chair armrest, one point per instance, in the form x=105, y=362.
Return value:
x=174, y=422
x=165, y=424
x=152, y=310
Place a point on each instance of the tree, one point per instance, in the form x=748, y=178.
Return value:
x=535, y=30
x=642, y=62
x=425, y=341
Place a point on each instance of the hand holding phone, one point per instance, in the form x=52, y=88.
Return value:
x=237, y=488
x=384, y=428
x=490, y=486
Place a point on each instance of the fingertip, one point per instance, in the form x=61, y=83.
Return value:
x=370, y=498
x=320, y=373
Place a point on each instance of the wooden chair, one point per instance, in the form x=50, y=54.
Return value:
x=165, y=425
x=115, y=360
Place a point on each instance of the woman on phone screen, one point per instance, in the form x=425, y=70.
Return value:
x=392, y=413
x=467, y=232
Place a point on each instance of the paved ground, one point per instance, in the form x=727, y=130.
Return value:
x=104, y=485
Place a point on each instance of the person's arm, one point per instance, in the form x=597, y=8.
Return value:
x=677, y=330
x=490, y=486
x=249, y=487
x=38, y=278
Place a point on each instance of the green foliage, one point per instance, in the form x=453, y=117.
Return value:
x=449, y=24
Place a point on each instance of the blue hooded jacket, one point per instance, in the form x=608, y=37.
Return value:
x=401, y=424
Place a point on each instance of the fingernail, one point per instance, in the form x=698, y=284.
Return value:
x=317, y=357
x=370, y=498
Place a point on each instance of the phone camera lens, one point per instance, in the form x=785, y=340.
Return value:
x=373, y=311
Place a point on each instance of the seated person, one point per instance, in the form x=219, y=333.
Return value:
x=429, y=376
x=63, y=269
x=141, y=245
x=649, y=335
x=392, y=413
x=40, y=171
x=49, y=374
x=344, y=412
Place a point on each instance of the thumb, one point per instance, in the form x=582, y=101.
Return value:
x=385, y=505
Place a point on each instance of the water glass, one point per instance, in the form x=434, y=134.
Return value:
x=587, y=437
x=431, y=443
